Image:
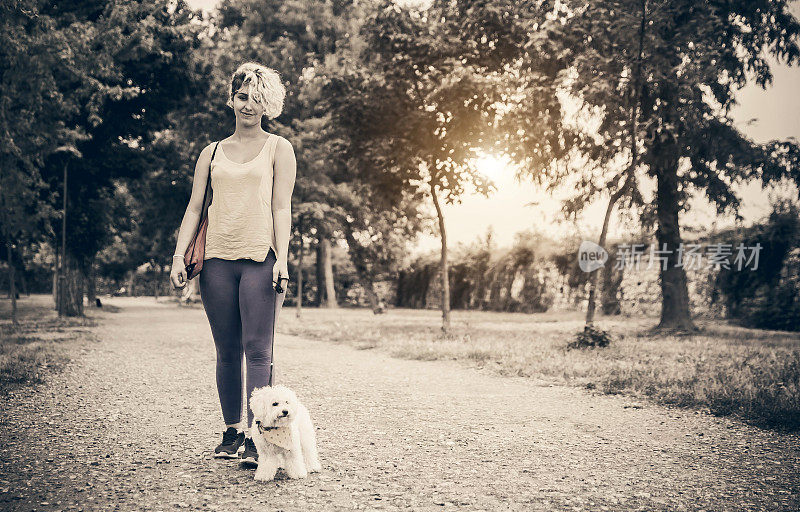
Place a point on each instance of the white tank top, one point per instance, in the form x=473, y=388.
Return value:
x=240, y=215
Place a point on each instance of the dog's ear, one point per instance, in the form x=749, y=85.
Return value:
x=258, y=402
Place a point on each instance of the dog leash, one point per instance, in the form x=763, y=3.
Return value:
x=272, y=348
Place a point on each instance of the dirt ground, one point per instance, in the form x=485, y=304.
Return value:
x=132, y=421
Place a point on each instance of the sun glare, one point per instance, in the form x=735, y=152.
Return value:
x=490, y=166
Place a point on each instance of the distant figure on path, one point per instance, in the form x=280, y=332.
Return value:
x=247, y=244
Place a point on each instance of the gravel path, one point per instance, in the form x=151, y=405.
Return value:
x=131, y=422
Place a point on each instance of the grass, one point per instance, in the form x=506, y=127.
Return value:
x=724, y=369
x=40, y=343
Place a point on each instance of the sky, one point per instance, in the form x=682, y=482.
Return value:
x=762, y=115
x=206, y=5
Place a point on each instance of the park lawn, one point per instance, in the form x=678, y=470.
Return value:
x=40, y=344
x=725, y=369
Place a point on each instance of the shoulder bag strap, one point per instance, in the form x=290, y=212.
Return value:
x=208, y=181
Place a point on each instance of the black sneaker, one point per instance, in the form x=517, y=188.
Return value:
x=231, y=442
x=250, y=454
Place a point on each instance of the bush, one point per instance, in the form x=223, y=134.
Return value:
x=767, y=297
x=776, y=307
x=590, y=337
x=517, y=279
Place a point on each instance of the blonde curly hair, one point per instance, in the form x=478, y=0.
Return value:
x=266, y=87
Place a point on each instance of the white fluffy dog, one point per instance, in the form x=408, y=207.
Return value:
x=283, y=434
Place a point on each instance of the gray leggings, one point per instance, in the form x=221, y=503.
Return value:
x=242, y=306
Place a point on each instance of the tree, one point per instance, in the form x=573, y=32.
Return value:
x=620, y=124
x=435, y=112
x=125, y=68
x=694, y=57
x=375, y=214
x=32, y=114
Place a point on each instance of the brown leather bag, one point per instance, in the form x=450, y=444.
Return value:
x=195, y=253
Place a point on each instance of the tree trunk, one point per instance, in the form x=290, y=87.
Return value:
x=372, y=297
x=164, y=278
x=156, y=279
x=73, y=288
x=55, y=286
x=444, y=271
x=12, y=288
x=2, y=284
x=361, y=271
x=675, y=314
x=91, y=285
x=635, y=98
x=320, y=268
x=24, y=283
x=590, y=307
x=300, y=278
x=131, y=283
x=61, y=297
x=330, y=291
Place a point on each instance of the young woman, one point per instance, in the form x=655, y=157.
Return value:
x=246, y=248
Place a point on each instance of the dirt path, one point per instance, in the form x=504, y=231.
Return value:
x=131, y=423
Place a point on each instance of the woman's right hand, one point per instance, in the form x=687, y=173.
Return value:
x=178, y=272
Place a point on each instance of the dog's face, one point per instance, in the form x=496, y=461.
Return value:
x=274, y=406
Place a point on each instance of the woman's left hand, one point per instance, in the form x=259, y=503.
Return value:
x=281, y=269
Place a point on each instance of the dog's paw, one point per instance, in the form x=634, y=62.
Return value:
x=263, y=477
x=296, y=472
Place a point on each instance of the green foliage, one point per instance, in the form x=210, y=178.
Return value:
x=86, y=86
x=31, y=117
x=769, y=296
x=590, y=337
x=426, y=102
x=485, y=278
x=144, y=69
x=678, y=49
x=653, y=81
x=385, y=105
x=778, y=307
x=413, y=284
x=441, y=107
